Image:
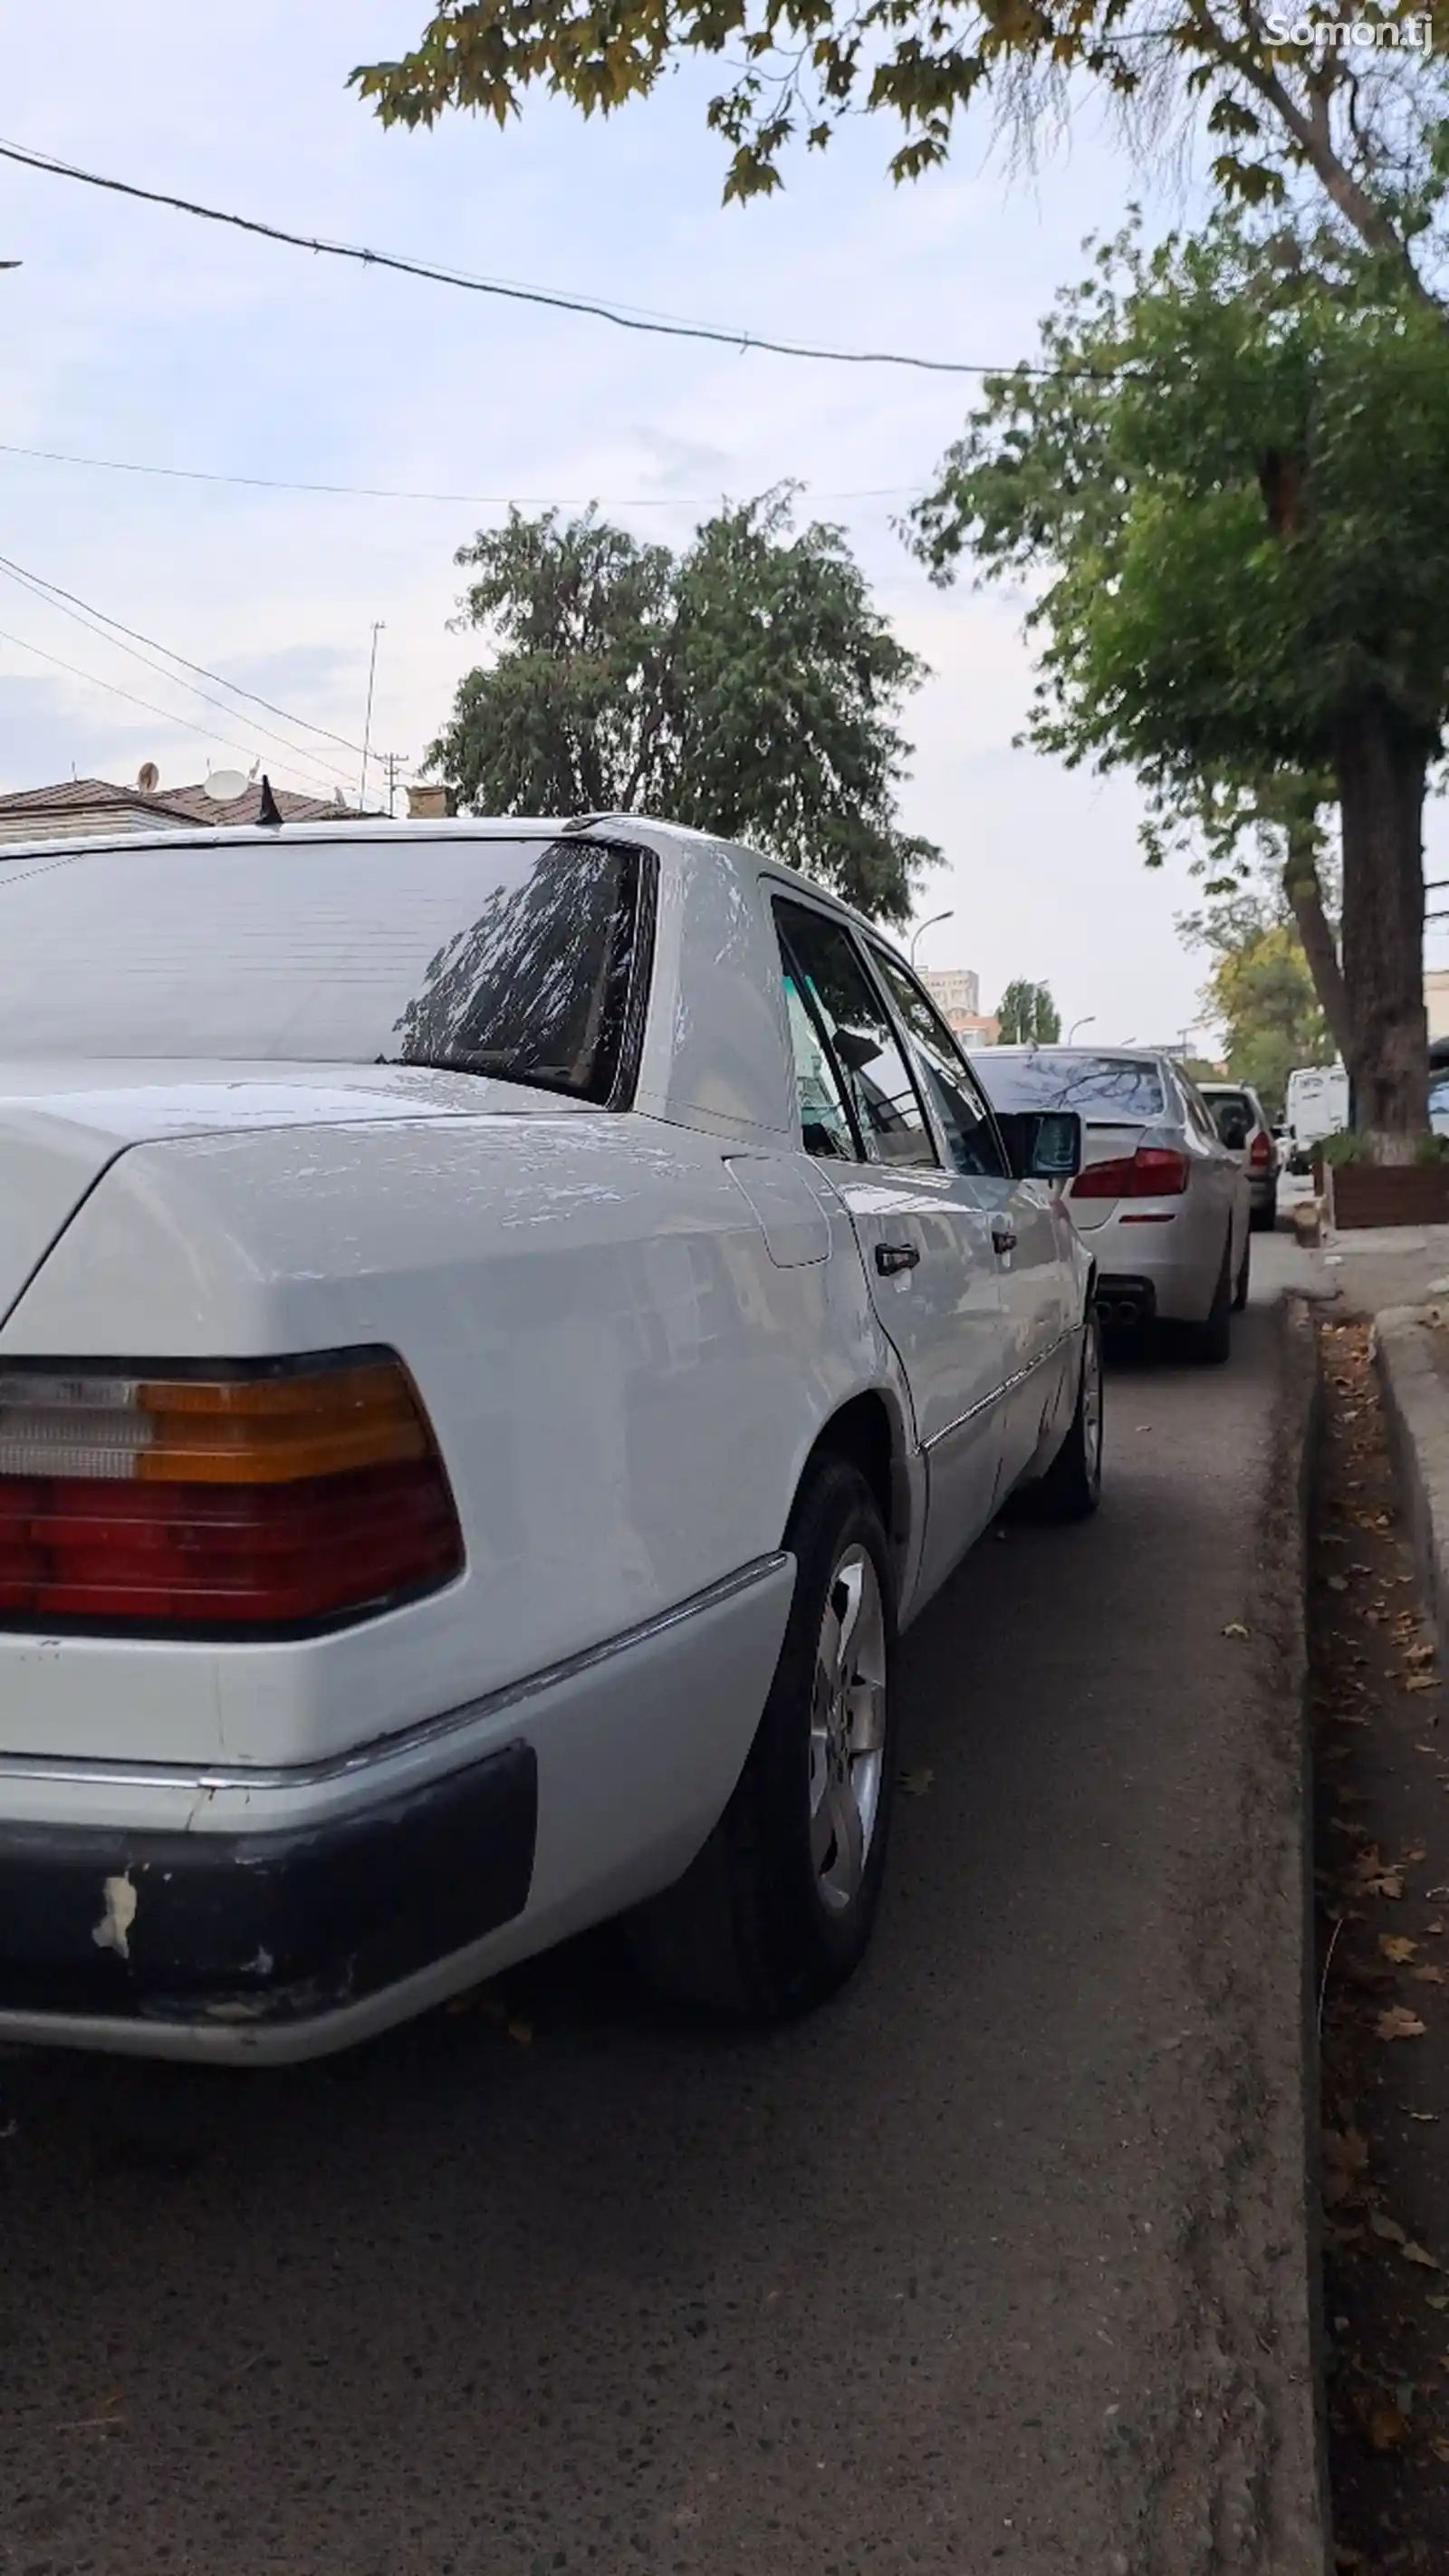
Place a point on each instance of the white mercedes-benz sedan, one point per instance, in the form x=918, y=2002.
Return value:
x=501, y=1324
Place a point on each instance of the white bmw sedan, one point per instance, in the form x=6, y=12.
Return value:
x=1163, y=1203
x=500, y=1327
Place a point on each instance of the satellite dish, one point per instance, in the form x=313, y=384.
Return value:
x=149, y=778
x=224, y=786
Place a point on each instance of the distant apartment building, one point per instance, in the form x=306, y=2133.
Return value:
x=956, y=992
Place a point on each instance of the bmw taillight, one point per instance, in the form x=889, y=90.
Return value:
x=289, y=1495
x=1153, y=1172
x=1260, y=1152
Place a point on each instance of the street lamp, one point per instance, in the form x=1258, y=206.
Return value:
x=1089, y=1022
x=932, y=924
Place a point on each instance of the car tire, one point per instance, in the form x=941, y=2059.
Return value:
x=1240, y=1284
x=1264, y=1218
x=1071, y=1489
x=778, y=1909
x=1212, y=1340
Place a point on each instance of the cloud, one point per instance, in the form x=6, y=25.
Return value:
x=143, y=336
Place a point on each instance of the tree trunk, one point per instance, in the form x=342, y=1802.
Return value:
x=1305, y=897
x=1381, y=767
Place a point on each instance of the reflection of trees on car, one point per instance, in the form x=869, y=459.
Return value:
x=536, y=989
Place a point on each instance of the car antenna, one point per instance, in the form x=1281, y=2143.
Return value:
x=269, y=814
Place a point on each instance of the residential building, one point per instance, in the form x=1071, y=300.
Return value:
x=956, y=992
x=1436, y=1002
x=80, y=805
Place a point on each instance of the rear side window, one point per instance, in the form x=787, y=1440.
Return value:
x=1104, y=1087
x=821, y=959
x=825, y=1125
x=964, y=1116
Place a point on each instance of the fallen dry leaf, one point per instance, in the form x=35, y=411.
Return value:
x=1386, y=2428
x=1439, y=2446
x=1420, y=1681
x=1396, y=2023
x=1387, y=2227
x=1235, y=1628
x=916, y=1783
x=1416, y=2254
x=1395, y=1947
x=1429, y=1976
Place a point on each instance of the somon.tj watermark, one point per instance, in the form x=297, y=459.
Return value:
x=1351, y=35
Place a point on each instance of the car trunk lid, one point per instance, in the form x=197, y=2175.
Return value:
x=62, y=1126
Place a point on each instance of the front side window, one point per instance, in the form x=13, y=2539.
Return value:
x=515, y=958
x=965, y=1119
x=861, y=1040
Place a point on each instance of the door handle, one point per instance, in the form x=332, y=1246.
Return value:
x=893, y=1257
x=1003, y=1235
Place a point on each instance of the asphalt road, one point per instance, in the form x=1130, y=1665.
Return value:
x=973, y=2271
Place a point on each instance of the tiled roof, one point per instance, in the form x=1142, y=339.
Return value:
x=81, y=803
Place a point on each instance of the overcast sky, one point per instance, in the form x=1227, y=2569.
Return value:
x=142, y=336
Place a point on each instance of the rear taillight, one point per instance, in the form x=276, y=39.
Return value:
x=1153, y=1172
x=249, y=1499
x=1260, y=1152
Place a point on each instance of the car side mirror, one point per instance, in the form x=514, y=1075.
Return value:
x=1042, y=1144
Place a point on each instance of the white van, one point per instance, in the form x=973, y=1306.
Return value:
x=1315, y=1106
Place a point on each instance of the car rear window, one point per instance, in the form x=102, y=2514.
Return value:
x=513, y=958
x=1097, y=1086
x=1218, y=1097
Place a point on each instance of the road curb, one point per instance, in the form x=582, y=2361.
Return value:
x=1299, y=1429
x=1241, y=2483
x=1416, y=1398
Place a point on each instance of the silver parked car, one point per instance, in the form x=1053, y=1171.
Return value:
x=1160, y=1199
x=1247, y=1131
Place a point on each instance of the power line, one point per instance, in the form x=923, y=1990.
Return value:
x=22, y=644
x=51, y=597
x=391, y=492
x=557, y=303
x=199, y=668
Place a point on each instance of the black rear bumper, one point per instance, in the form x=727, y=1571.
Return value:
x=207, y=1927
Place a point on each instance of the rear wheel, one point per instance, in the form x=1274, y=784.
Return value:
x=1071, y=1489
x=1212, y=1340
x=778, y=1909
x=1265, y=1217
x=1240, y=1286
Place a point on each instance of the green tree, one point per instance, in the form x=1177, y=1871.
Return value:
x=1259, y=987
x=1263, y=995
x=746, y=686
x=1361, y=127
x=1237, y=491
x=1028, y=1015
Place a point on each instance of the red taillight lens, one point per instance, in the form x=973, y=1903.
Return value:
x=1153, y=1172
x=1260, y=1152
x=247, y=1501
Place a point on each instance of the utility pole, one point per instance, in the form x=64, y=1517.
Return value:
x=392, y=762
x=378, y=629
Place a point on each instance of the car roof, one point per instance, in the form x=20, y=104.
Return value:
x=682, y=840
x=1101, y=1054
